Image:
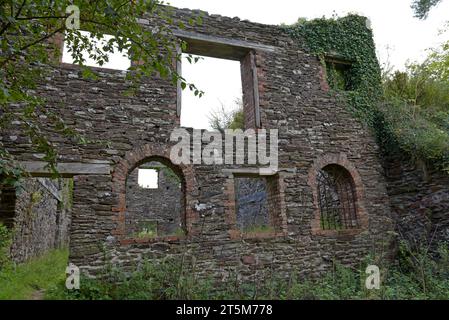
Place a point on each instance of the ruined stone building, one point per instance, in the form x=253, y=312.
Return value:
x=333, y=197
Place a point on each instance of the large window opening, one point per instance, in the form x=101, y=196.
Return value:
x=226, y=71
x=155, y=202
x=220, y=79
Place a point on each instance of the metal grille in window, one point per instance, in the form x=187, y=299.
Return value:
x=337, y=199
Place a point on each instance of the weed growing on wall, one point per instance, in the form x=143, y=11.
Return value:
x=418, y=274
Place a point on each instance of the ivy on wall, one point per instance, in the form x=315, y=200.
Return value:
x=350, y=39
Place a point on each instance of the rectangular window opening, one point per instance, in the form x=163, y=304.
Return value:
x=148, y=178
x=257, y=204
x=221, y=105
x=116, y=60
x=227, y=74
x=339, y=75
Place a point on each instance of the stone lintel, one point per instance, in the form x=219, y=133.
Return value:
x=67, y=169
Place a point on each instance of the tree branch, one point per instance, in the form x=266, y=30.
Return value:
x=17, y=14
x=47, y=36
x=41, y=17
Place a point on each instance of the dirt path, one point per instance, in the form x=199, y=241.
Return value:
x=38, y=295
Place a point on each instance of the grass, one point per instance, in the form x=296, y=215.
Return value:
x=21, y=281
x=259, y=229
x=416, y=274
x=145, y=233
x=151, y=232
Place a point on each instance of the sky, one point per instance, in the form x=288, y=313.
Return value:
x=147, y=178
x=399, y=38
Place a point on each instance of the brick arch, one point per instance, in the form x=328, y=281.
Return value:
x=132, y=160
x=340, y=160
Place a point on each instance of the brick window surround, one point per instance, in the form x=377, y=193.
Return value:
x=277, y=212
x=362, y=217
x=121, y=171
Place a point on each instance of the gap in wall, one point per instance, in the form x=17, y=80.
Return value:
x=221, y=81
x=117, y=60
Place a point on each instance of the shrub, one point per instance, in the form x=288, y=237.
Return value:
x=169, y=278
x=420, y=274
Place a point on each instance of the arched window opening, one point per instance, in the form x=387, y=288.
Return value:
x=155, y=202
x=337, y=198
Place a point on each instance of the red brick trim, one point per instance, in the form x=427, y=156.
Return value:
x=362, y=216
x=323, y=78
x=57, y=43
x=130, y=161
x=279, y=220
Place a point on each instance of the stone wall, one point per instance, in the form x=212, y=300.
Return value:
x=419, y=196
x=313, y=125
x=41, y=217
x=64, y=213
x=7, y=205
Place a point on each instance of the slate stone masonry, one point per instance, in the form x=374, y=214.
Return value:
x=315, y=129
